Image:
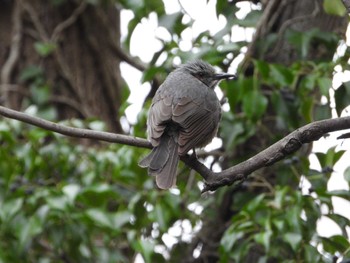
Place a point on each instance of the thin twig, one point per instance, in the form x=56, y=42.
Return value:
x=68, y=22
x=36, y=21
x=66, y=73
x=14, y=51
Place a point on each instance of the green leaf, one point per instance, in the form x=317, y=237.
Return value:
x=347, y=174
x=121, y=218
x=293, y=239
x=281, y=75
x=300, y=40
x=293, y=218
x=231, y=130
x=40, y=94
x=99, y=217
x=57, y=203
x=330, y=158
x=325, y=84
x=311, y=254
x=255, y=204
x=31, y=228
x=322, y=112
x=264, y=238
x=308, y=82
x=221, y=6
x=169, y=21
x=307, y=108
x=335, y=244
x=10, y=208
x=160, y=216
x=340, y=193
x=131, y=27
x=30, y=73
x=263, y=68
x=96, y=195
x=318, y=181
x=230, y=237
x=146, y=248
x=340, y=220
x=303, y=40
x=235, y=89
x=71, y=191
x=280, y=195
x=254, y=104
x=149, y=74
x=342, y=97
x=334, y=7
x=44, y=49
x=251, y=19
x=228, y=47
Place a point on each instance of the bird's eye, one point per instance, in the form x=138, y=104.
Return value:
x=200, y=74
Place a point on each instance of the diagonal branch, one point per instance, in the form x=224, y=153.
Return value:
x=276, y=152
x=69, y=21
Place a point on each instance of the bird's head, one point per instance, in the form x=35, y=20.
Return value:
x=205, y=73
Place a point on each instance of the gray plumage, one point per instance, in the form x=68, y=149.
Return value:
x=184, y=114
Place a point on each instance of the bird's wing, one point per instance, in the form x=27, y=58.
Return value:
x=159, y=114
x=198, y=121
x=197, y=113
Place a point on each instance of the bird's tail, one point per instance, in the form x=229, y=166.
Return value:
x=162, y=161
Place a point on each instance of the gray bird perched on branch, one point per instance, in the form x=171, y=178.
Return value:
x=184, y=114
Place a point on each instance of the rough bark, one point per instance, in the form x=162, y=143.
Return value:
x=82, y=72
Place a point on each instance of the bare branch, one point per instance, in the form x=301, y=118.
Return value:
x=68, y=22
x=36, y=21
x=344, y=136
x=10, y=63
x=284, y=147
x=74, y=132
x=66, y=74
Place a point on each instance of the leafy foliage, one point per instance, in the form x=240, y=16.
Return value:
x=68, y=200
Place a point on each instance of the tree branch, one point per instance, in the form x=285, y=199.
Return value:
x=284, y=147
x=10, y=63
x=276, y=152
x=74, y=132
x=69, y=21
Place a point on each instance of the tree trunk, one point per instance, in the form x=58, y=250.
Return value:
x=81, y=72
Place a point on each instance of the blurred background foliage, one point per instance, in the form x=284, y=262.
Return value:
x=69, y=200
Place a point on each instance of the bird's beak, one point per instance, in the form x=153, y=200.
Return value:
x=227, y=76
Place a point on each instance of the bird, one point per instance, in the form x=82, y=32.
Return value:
x=184, y=114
